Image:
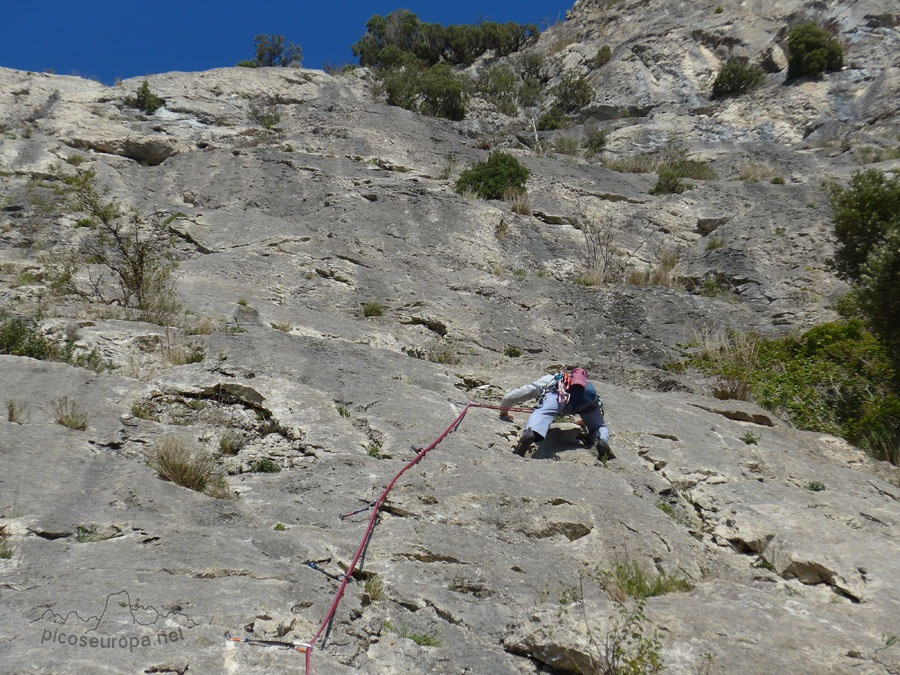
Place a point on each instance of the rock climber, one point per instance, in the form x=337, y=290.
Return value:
x=560, y=394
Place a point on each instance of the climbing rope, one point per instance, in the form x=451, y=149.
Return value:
x=376, y=505
x=307, y=647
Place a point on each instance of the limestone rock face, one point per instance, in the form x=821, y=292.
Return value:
x=341, y=304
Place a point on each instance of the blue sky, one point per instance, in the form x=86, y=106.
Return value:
x=106, y=39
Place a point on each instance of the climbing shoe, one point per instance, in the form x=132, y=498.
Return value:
x=603, y=451
x=525, y=441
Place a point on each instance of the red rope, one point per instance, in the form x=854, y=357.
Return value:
x=378, y=502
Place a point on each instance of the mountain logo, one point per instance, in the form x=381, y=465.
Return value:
x=122, y=623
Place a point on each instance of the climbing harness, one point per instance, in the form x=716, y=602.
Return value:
x=307, y=647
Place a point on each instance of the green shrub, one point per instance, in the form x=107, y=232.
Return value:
x=400, y=87
x=491, y=179
x=245, y=64
x=604, y=54
x=436, y=91
x=373, y=309
x=145, y=99
x=131, y=252
x=668, y=182
x=835, y=378
x=271, y=50
x=22, y=339
x=812, y=50
x=737, y=77
x=265, y=466
x=572, y=93
x=867, y=225
x=530, y=92
x=442, y=93
x=690, y=168
x=631, y=579
x=551, y=120
x=498, y=84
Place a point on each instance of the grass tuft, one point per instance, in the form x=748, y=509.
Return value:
x=176, y=462
x=69, y=414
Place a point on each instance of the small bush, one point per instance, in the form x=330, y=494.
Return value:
x=551, y=120
x=491, y=179
x=573, y=93
x=175, y=461
x=604, y=54
x=22, y=339
x=631, y=579
x=265, y=466
x=498, y=84
x=750, y=438
x=512, y=352
x=668, y=182
x=145, y=100
x=442, y=93
x=815, y=486
x=372, y=309
x=123, y=249
x=374, y=450
x=737, y=77
x=812, y=50
x=245, y=64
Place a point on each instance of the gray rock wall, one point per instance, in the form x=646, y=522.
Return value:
x=486, y=562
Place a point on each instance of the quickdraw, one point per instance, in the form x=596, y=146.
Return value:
x=335, y=577
x=301, y=647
